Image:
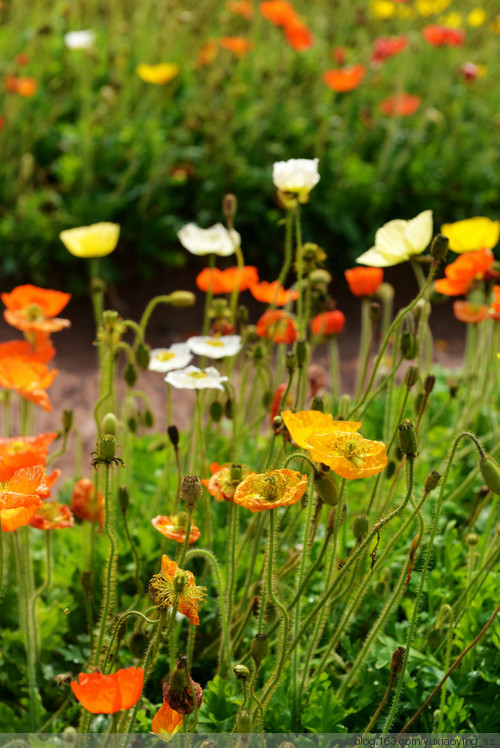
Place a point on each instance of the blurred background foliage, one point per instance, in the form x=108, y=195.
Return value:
x=88, y=140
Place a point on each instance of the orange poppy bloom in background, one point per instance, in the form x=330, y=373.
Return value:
x=43, y=351
x=51, y=515
x=29, y=378
x=85, y=504
x=107, y=694
x=241, y=7
x=388, y=46
x=298, y=36
x=171, y=527
x=272, y=293
x=30, y=308
x=336, y=443
x=446, y=36
x=238, y=45
x=466, y=311
x=464, y=271
x=400, y=105
x=25, y=487
x=278, y=326
x=208, y=53
x=26, y=86
x=166, y=721
x=364, y=281
x=271, y=489
x=328, y=323
x=19, y=452
x=495, y=307
x=279, y=12
x=224, y=281
x=345, y=79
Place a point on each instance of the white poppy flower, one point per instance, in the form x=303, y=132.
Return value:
x=397, y=241
x=215, y=346
x=79, y=39
x=297, y=175
x=178, y=356
x=217, y=240
x=193, y=378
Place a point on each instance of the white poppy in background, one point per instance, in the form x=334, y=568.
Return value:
x=80, y=39
x=193, y=378
x=297, y=175
x=178, y=356
x=397, y=241
x=217, y=346
x=216, y=240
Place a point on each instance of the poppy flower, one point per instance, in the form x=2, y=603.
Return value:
x=364, y=281
x=43, y=350
x=26, y=487
x=174, y=528
x=26, y=86
x=174, y=586
x=336, y=443
x=178, y=356
x=272, y=293
x=166, y=722
x=466, y=311
x=215, y=346
x=477, y=17
x=345, y=79
x=495, y=307
x=464, y=271
x=12, y=519
x=328, y=323
x=160, y=74
x=398, y=241
x=30, y=308
x=277, y=325
x=297, y=176
x=279, y=12
x=271, y=489
x=388, y=46
x=23, y=451
x=238, y=45
x=472, y=234
x=241, y=8
x=222, y=485
x=193, y=378
x=400, y=105
x=96, y=240
x=208, y=53
x=225, y=281
x=298, y=36
x=108, y=694
x=216, y=239
x=51, y=515
x=29, y=378
x=471, y=71
x=443, y=36
x=85, y=504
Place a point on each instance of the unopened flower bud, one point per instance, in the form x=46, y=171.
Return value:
x=243, y=314
x=216, y=411
x=251, y=334
x=229, y=205
x=411, y=377
x=138, y=644
x=408, y=345
x=278, y=425
x=290, y=361
x=132, y=424
x=301, y=349
x=130, y=375
x=390, y=469
x=407, y=438
x=148, y=419
x=397, y=660
x=191, y=490
x=244, y=722
x=106, y=447
x=173, y=435
x=472, y=538
x=259, y=648
x=491, y=473
x=385, y=292
x=67, y=420
x=241, y=672
x=360, y=526
x=318, y=403
x=431, y=481
x=344, y=408
x=182, y=299
x=439, y=247
x=270, y=612
x=453, y=387
x=109, y=424
x=142, y=356
x=123, y=498
x=257, y=352
x=327, y=488
x=228, y=409
x=429, y=383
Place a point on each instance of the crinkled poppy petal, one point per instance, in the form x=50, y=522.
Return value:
x=50, y=302
x=166, y=721
x=270, y=490
x=13, y=518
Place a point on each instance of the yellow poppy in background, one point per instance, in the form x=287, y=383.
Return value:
x=159, y=74
x=97, y=240
x=472, y=234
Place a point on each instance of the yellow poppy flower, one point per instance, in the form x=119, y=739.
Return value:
x=336, y=443
x=477, y=17
x=472, y=234
x=159, y=74
x=383, y=8
x=270, y=490
x=97, y=240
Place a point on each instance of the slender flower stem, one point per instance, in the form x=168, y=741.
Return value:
x=210, y=293
x=185, y=545
x=333, y=349
x=365, y=346
x=288, y=252
x=300, y=262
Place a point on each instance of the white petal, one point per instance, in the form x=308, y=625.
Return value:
x=419, y=232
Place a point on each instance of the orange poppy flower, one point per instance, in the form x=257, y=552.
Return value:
x=43, y=351
x=166, y=722
x=23, y=451
x=29, y=378
x=388, y=46
x=446, y=36
x=174, y=528
x=336, y=443
x=220, y=485
x=364, y=281
x=85, y=504
x=464, y=271
x=298, y=36
x=51, y=515
x=241, y=8
x=26, y=86
x=328, y=323
x=107, y=694
x=466, y=311
x=495, y=307
x=174, y=586
x=208, y=53
x=279, y=12
x=25, y=487
x=278, y=326
x=271, y=489
x=400, y=105
x=11, y=519
x=345, y=79
x=224, y=281
x=272, y=293
x=30, y=308
x=238, y=45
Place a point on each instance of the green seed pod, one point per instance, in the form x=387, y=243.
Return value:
x=130, y=375
x=182, y=299
x=259, y=648
x=317, y=403
x=173, y=435
x=411, y=377
x=123, y=498
x=241, y=672
x=216, y=411
x=109, y=424
x=407, y=438
x=360, y=526
x=327, y=489
x=106, y=447
x=431, y=481
x=472, y=538
x=439, y=247
x=191, y=490
x=491, y=473
x=229, y=408
x=142, y=356
x=301, y=349
x=397, y=660
x=244, y=722
x=138, y=644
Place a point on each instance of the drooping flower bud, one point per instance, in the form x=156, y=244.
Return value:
x=318, y=403
x=67, y=420
x=182, y=299
x=407, y=438
x=130, y=375
x=327, y=488
x=142, y=356
x=216, y=411
x=229, y=205
x=109, y=424
x=173, y=435
x=138, y=643
x=397, y=660
x=431, y=481
x=429, y=383
x=360, y=526
x=491, y=473
x=411, y=377
x=439, y=247
x=241, y=672
x=191, y=490
x=270, y=612
x=259, y=648
x=123, y=498
x=229, y=409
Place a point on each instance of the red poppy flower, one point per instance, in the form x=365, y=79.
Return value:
x=464, y=271
x=466, y=311
x=51, y=515
x=400, y=105
x=279, y=12
x=224, y=281
x=166, y=721
x=85, y=504
x=328, y=323
x=446, y=36
x=345, y=79
x=272, y=293
x=26, y=487
x=30, y=308
x=240, y=7
x=238, y=45
x=298, y=36
x=388, y=46
x=19, y=452
x=174, y=528
x=364, y=281
x=277, y=325
x=107, y=694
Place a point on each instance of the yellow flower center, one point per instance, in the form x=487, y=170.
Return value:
x=165, y=356
x=215, y=343
x=350, y=449
x=198, y=375
x=33, y=312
